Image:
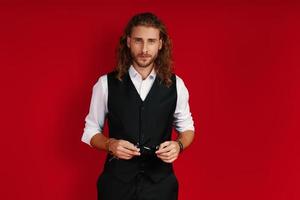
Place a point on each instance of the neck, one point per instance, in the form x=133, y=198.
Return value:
x=143, y=71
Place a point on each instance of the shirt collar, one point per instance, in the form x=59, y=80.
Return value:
x=133, y=73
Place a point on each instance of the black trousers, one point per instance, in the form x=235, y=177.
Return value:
x=140, y=188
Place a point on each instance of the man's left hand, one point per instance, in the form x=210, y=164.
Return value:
x=168, y=151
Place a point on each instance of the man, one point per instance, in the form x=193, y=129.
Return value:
x=142, y=100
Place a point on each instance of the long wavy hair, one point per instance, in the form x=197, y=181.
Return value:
x=163, y=62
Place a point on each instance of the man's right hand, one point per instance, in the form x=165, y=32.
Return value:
x=123, y=149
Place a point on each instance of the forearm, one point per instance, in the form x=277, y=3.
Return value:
x=99, y=141
x=117, y=147
x=186, y=138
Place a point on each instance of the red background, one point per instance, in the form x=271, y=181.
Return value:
x=239, y=60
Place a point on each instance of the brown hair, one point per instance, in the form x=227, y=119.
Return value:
x=163, y=62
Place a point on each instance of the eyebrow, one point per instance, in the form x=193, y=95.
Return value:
x=139, y=38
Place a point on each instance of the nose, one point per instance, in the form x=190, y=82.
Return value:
x=145, y=48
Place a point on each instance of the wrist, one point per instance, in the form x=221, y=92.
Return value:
x=180, y=145
x=107, y=145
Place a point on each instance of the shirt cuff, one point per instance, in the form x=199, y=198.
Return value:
x=188, y=128
x=87, y=136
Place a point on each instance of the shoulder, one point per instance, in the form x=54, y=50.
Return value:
x=102, y=80
x=179, y=81
x=181, y=88
x=101, y=83
x=112, y=73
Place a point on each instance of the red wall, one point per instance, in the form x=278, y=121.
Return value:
x=240, y=62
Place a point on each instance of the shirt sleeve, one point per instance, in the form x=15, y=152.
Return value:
x=94, y=121
x=183, y=120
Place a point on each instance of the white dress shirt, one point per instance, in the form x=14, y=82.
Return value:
x=94, y=121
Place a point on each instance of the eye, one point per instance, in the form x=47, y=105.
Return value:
x=138, y=40
x=152, y=41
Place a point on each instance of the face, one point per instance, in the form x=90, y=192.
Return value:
x=144, y=44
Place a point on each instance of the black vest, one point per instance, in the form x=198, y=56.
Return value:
x=147, y=122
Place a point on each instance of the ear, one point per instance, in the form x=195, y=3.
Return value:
x=160, y=44
x=128, y=41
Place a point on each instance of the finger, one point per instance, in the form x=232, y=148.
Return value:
x=122, y=150
x=130, y=146
x=164, y=144
x=166, y=148
x=172, y=152
x=124, y=155
x=169, y=160
x=170, y=156
x=130, y=152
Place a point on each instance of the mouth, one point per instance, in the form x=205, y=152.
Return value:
x=144, y=59
x=144, y=56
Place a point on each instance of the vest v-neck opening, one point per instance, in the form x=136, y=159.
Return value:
x=137, y=93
